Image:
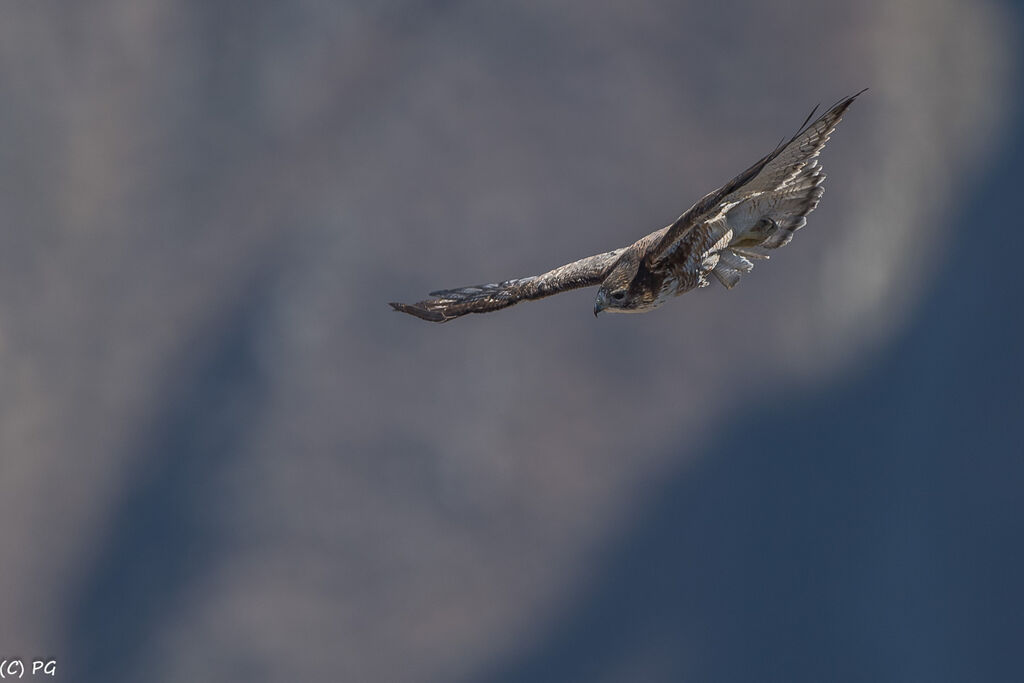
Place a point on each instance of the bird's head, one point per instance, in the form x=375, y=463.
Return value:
x=621, y=291
x=616, y=300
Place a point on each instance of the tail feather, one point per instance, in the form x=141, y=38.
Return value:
x=731, y=267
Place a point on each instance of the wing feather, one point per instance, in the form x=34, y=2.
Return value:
x=791, y=161
x=446, y=304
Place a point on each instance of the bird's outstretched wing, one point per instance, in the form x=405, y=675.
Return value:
x=447, y=304
x=783, y=185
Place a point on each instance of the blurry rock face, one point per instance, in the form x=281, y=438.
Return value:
x=219, y=448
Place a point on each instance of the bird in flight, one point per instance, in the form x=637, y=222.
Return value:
x=721, y=235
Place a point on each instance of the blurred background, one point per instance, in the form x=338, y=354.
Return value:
x=222, y=456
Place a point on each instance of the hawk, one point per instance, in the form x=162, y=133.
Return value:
x=721, y=236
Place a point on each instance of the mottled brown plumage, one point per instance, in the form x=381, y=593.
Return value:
x=720, y=235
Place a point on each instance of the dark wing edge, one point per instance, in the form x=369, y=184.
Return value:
x=808, y=141
x=448, y=304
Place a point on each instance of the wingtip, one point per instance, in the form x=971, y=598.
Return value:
x=418, y=311
x=848, y=100
x=839, y=108
x=399, y=307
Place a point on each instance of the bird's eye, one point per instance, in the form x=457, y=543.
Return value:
x=619, y=295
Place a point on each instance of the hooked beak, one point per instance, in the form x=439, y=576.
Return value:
x=600, y=304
